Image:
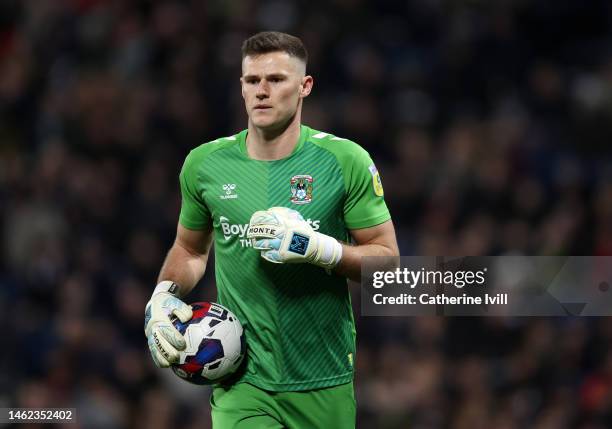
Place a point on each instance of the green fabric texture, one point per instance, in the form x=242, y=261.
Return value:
x=244, y=406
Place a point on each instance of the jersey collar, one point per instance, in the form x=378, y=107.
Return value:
x=304, y=134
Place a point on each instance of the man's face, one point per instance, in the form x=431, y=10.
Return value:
x=273, y=85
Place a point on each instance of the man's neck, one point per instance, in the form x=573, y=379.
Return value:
x=270, y=145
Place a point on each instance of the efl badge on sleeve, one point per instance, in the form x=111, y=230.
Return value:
x=301, y=189
x=378, y=189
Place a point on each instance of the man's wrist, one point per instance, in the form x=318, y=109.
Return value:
x=329, y=251
x=167, y=286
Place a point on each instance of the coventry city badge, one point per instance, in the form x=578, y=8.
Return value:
x=301, y=189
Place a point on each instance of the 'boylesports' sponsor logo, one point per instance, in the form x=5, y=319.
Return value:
x=234, y=230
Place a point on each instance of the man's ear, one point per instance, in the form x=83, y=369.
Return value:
x=306, y=86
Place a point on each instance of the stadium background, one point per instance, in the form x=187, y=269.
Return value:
x=490, y=122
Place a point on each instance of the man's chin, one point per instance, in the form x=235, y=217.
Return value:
x=271, y=124
x=266, y=123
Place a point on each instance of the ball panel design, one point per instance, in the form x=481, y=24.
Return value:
x=215, y=344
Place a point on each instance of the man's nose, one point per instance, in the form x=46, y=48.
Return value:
x=262, y=90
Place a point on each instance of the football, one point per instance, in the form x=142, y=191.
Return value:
x=215, y=344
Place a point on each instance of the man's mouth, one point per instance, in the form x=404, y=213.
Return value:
x=262, y=107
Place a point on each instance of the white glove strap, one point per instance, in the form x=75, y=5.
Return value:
x=328, y=252
x=166, y=286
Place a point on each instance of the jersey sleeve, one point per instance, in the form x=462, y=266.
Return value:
x=364, y=204
x=194, y=214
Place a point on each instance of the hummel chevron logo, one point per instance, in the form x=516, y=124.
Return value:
x=230, y=193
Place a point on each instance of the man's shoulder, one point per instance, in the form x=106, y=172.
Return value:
x=203, y=151
x=214, y=145
x=341, y=147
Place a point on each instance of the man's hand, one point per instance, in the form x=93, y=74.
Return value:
x=283, y=235
x=163, y=338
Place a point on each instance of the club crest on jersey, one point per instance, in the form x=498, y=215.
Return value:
x=301, y=189
x=376, y=182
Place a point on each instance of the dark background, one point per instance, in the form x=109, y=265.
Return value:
x=490, y=122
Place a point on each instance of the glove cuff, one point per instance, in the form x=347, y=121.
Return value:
x=166, y=286
x=328, y=252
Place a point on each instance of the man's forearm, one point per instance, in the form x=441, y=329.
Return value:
x=350, y=264
x=183, y=267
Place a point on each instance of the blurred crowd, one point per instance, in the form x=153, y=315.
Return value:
x=490, y=122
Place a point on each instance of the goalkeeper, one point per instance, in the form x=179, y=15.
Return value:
x=280, y=201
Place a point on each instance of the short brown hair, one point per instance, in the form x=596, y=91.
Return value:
x=274, y=41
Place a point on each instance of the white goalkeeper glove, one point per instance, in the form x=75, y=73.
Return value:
x=283, y=235
x=163, y=338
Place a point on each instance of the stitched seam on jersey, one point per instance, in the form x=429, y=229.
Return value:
x=370, y=222
x=262, y=383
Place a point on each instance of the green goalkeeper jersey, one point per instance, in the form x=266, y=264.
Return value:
x=297, y=318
